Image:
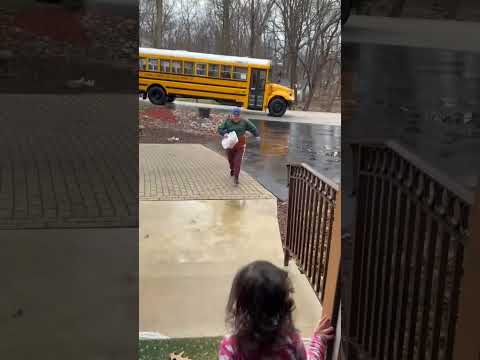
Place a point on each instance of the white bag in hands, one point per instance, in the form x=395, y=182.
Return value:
x=230, y=140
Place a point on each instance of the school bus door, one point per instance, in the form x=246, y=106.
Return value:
x=257, y=89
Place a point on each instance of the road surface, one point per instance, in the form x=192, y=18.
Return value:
x=418, y=33
x=303, y=117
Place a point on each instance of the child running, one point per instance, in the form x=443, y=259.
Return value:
x=240, y=126
x=259, y=312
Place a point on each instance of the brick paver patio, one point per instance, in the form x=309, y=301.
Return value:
x=73, y=165
x=191, y=172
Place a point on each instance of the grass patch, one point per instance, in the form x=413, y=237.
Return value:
x=205, y=348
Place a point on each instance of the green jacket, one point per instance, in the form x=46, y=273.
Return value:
x=240, y=128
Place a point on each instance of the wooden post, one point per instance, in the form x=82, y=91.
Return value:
x=467, y=336
x=331, y=285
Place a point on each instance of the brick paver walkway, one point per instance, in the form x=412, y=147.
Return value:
x=73, y=165
x=191, y=172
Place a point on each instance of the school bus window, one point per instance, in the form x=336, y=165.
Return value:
x=201, y=69
x=226, y=72
x=142, y=64
x=165, y=66
x=176, y=67
x=213, y=70
x=153, y=64
x=188, y=68
x=240, y=73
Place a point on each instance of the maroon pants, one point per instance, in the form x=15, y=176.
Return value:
x=235, y=157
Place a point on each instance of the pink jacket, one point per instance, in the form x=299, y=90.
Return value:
x=290, y=348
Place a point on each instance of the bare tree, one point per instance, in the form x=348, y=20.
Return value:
x=146, y=21
x=223, y=16
x=320, y=46
x=259, y=11
x=186, y=25
x=163, y=12
x=294, y=17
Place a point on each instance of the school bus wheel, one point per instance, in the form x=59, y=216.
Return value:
x=277, y=107
x=157, y=95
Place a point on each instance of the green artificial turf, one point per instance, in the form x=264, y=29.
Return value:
x=194, y=348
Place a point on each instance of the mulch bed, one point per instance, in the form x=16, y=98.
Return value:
x=50, y=45
x=166, y=135
x=47, y=20
x=181, y=118
x=165, y=124
x=48, y=31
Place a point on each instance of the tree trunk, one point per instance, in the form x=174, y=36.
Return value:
x=317, y=76
x=293, y=60
x=158, y=27
x=311, y=92
x=226, y=26
x=308, y=101
x=335, y=95
x=252, y=29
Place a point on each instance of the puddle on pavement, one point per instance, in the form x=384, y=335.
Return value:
x=203, y=231
x=283, y=143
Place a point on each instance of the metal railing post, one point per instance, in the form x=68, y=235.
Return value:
x=467, y=341
x=333, y=261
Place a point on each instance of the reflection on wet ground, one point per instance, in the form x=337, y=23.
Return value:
x=427, y=99
x=194, y=251
x=284, y=143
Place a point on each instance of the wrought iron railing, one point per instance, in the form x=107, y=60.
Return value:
x=313, y=231
x=410, y=226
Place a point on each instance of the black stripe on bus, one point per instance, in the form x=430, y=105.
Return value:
x=206, y=91
x=197, y=76
x=194, y=83
x=191, y=82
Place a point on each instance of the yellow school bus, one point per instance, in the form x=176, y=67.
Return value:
x=240, y=81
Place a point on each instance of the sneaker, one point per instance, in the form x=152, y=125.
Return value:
x=235, y=181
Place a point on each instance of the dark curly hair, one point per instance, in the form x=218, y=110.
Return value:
x=260, y=306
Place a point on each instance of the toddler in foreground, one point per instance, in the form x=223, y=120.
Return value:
x=259, y=311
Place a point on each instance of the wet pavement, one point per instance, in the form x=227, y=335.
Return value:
x=291, y=116
x=190, y=172
x=283, y=143
x=63, y=299
x=428, y=100
x=189, y=240
x=189, y=254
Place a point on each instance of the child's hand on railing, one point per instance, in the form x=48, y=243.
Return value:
x=325, y=329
